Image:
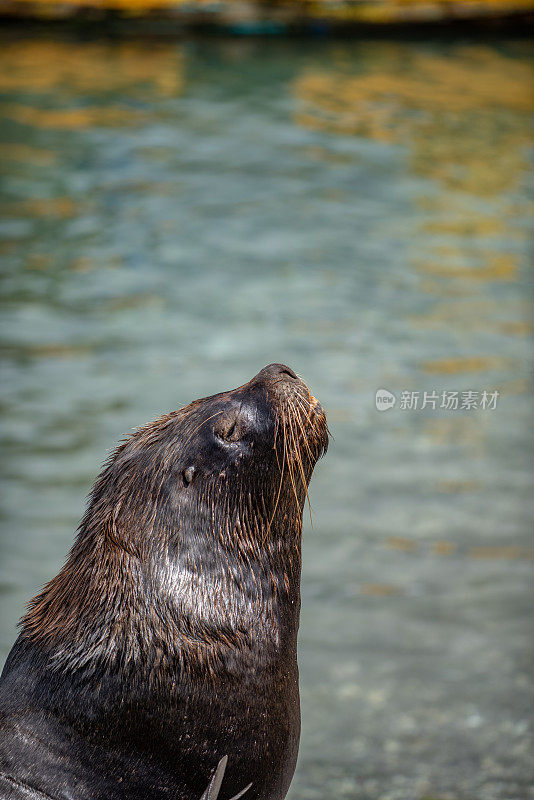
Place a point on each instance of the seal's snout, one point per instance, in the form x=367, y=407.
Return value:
x=281, y=383
x=274, y=372
x=294, y=408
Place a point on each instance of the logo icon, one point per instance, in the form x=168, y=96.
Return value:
x=384, y=400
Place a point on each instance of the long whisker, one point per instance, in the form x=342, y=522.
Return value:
x=298, y=457
x=306, y=408
x=275, y=447
x=304, y=481
x=298, y=420
x=268, y=530
x=293, y=449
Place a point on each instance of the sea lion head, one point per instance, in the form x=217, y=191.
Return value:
x=232, y=465
x=248, y=452
x=183, y=509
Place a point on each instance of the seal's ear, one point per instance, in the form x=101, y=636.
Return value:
x=187, y=475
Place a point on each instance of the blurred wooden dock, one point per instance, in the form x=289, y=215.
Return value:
x=275, y=16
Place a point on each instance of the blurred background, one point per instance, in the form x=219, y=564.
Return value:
x=178, y=212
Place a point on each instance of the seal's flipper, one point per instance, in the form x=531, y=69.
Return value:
x=212, y=792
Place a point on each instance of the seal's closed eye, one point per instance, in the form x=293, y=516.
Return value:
x=226, y=427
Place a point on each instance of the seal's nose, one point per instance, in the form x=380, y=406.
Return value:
x=273, y=371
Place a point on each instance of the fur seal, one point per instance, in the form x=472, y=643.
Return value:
x=167, y=642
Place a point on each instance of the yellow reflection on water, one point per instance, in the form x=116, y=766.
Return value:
x=471, y=314
x=39, y=66
x=381, y=590
x=448, y=548
x=457, y=487
x=26, y=154
x=63, y=207
x=401, y=543
x=464, y=431
x=471, y=225
x=464, y=116
x=453, y=366
x=502, y=267
x=72, y=118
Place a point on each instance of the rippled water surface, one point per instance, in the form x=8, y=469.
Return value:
x=177, y=215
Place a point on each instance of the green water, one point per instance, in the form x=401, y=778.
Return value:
x=176, y=215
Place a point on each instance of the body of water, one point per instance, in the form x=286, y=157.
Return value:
x=176, y=215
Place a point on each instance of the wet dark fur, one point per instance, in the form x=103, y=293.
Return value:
x=168, y=639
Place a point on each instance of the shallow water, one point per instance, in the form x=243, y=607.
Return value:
x=177, y=215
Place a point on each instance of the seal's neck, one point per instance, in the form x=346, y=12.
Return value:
x=228, y=607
